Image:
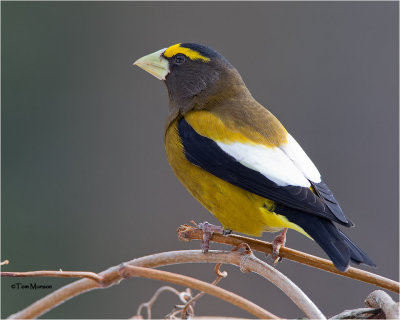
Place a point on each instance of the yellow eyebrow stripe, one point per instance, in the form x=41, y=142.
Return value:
x=192, y=54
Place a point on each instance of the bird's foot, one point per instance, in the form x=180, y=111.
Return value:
x=208, y=230
x=225, y=232
x=278, y=242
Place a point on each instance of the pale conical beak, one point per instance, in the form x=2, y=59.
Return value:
x=155, y=64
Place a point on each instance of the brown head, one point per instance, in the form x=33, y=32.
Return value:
x=195, y=75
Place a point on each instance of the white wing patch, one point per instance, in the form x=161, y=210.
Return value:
x=294, y=151
x=273, y=163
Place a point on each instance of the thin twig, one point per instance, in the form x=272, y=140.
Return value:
x=220, y=276
x=176, y=311
x=360, y=313
x=187, y=233
x=153, y=299
x=58, y=274
x=111, y=276
x=127, y=271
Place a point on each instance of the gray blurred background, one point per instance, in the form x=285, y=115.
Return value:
x=86, y=184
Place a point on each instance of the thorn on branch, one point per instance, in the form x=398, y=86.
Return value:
x=4, y=262
x=195, y=224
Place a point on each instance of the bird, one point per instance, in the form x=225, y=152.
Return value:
x=238, y=160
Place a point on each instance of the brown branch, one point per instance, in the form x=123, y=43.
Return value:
x=127, y=271
x=112, y=276
x=58, y=274
x=187, y=233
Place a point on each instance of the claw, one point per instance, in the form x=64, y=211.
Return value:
x=278, y=242
x=208, y=230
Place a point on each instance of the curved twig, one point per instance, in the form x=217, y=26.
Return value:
x=187, y=233
x=127, y=271
x=112, y=276
x=189, y=304
x=155, y=296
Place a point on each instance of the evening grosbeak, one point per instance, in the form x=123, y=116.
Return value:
x=238, y=160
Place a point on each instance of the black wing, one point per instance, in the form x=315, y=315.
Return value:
x=205, y=153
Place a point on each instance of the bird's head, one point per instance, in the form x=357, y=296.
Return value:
x=194, y=74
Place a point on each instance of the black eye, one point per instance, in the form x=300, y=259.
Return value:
x=180, y=58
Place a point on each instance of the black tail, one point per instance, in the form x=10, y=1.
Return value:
x=340, y=249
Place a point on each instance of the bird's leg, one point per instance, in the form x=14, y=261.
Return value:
x=208, y=230
x=278, y=242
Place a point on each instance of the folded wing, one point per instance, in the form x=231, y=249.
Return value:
x=275, y=173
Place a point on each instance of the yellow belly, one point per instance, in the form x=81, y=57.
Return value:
x=235, y=208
